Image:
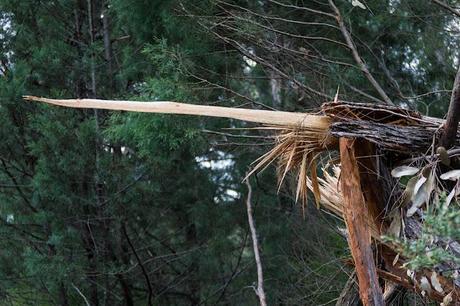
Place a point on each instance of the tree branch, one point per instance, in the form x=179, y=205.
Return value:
x=139, y=261
x=448, y=136
x=447, y=7
x=260, y=278
x=356, y=56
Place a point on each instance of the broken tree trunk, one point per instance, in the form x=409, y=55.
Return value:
x=361, y=132
x=357, y=218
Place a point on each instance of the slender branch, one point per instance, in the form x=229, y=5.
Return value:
x=260, y=278
x=349, y=295
x=447, y=7
x=448, y=136
x=81, y=294
x=356, y=56
x=302, y=8
x=139, y=261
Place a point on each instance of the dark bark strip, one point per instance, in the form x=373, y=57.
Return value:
x=396, y=138
x=356, y=217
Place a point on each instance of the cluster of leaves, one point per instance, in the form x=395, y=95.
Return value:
x=431, y=250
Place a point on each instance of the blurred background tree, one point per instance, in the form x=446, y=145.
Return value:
x=109, y=208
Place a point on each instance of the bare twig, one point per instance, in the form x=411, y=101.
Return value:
x=356, y=216
x=356, y=56
x=453, y=115
x=260, y=278
x=144, y=271
x=302, y=8
x=349, y=295
x=81, y=294
x=447, y=7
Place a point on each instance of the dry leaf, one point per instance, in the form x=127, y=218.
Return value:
x=435, y=283
x=419, y=184
x=443, y=155
x=451, y=196
x=412, y=210
x=425, y=284
x=447, y=299
x=395, y=226
x=452, y=175
x=395, y=261
x=358, y=4
x=409, y=191
x=404, y=171
x=418, y=199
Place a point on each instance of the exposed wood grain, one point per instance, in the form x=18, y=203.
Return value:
x=356, y=218
x=166, y=107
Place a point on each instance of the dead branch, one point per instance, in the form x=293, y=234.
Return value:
x=356, y=56
x=260, y=278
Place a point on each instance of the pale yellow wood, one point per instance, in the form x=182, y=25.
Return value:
x=166, y=107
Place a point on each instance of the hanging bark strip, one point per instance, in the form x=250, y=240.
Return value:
x=357, y=218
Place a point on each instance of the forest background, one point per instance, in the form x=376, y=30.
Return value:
x=112, y=208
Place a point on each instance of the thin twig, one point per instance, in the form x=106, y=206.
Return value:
x=144, y=271
x=447, y=7
x=81, y=294
x=260, y=278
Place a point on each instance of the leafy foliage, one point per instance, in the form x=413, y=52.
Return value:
x=441, y=228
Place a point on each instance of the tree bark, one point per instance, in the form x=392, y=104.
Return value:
x=449, y=134
x=356, y=218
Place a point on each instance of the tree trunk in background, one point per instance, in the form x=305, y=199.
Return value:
x=449, y=134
